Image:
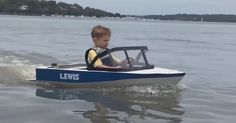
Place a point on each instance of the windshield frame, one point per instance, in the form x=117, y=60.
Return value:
x=143, y=50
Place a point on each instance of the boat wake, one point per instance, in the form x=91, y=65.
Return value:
x=151, y=90
x=20, y=67
x=14, y=69
x=155, y=90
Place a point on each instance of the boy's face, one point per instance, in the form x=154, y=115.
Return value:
x=102, y=42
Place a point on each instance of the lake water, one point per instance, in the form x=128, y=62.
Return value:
x=205, y=51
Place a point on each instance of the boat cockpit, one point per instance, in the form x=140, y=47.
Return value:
x=123, y=59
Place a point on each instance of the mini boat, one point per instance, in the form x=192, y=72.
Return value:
x=134, y=70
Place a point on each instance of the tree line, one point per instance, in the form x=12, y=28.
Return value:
x=50, y=7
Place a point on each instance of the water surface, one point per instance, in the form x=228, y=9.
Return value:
x=205, y=51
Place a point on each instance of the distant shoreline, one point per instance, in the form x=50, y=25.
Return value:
x=115, y=18
x=53, y=8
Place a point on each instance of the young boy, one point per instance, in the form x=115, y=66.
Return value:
x=101, y=36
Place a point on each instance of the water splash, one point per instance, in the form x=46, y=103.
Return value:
x=155, y=90
x=14, y=69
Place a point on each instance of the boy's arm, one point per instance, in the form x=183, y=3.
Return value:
x=91, y=55
x=116, y=60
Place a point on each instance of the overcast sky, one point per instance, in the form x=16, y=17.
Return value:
x=144, y=7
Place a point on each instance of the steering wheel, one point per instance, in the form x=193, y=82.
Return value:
x=125, y=63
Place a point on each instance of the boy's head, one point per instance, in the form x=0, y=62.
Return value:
x=101, y=36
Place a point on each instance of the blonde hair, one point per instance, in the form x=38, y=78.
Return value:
x=99, y=31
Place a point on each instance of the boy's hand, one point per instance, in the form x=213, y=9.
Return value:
x=125, y=64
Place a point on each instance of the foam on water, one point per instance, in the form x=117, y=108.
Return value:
x=14, y=69
x=156, y=90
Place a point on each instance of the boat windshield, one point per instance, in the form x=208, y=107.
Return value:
x=126, y=58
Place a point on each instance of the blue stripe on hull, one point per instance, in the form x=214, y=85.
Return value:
x=91, y=76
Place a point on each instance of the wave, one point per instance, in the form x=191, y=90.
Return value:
x=14, y=69
x=156, y=90
x=20, y=67
x=186, y=41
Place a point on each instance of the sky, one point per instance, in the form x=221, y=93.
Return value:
x=152, y=7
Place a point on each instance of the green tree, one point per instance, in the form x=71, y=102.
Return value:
x=49, y=7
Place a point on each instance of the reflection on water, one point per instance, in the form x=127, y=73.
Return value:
x=121, y=105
